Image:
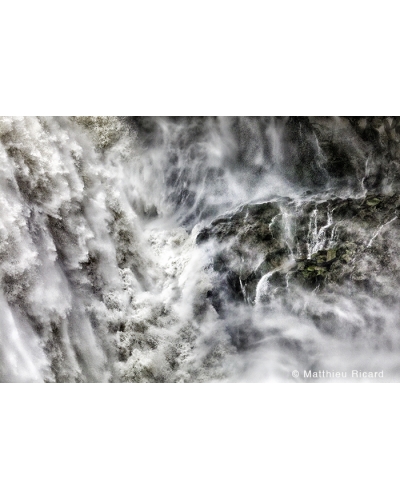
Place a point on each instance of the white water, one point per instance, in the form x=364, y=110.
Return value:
x=102, y=279
x=317, y=239
x=378, y=231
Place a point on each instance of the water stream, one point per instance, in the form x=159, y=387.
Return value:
x=103, y=278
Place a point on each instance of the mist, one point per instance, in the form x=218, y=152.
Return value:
x=198, y=249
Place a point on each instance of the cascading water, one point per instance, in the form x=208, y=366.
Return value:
x=197, y=249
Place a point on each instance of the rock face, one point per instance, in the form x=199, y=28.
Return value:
x=360, y=244
x=346, y=234
x=366, y=147
x=315, y=244
x=249, y=243
x=319, y=153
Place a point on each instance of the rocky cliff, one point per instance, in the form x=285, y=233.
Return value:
x=198, y=249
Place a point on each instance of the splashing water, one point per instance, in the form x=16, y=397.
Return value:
x=317, y=239
x=379, y=230
x=103, y=278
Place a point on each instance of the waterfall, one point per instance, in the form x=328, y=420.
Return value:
x=193, y=249
x=317, y=239
x=378, y=231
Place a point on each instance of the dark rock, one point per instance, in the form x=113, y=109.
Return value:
x=253, y=242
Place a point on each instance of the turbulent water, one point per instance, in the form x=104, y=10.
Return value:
x=199, y=249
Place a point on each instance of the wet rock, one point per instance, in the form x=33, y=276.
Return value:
x=253, y=243
x=372, y=202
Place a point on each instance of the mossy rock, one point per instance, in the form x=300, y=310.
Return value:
x=372, y=202
x=330, y=254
